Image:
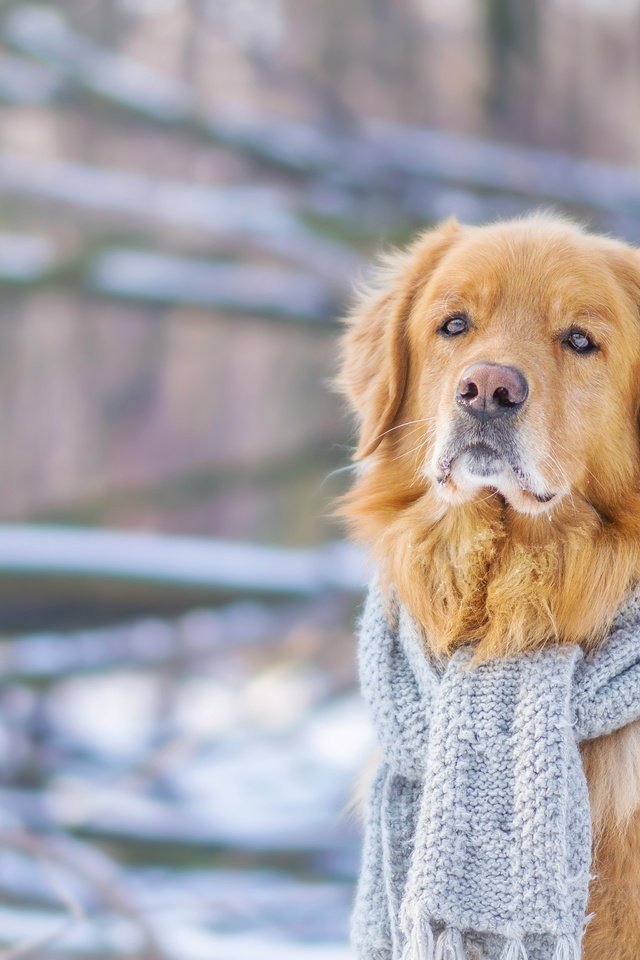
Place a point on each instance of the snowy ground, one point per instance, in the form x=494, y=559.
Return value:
x=176, y=796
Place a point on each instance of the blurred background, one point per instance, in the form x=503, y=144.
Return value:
x=188, y=189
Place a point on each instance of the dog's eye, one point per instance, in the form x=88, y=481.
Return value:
x=452, y=326
x=579, y=342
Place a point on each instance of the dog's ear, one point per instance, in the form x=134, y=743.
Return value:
x=375, y=362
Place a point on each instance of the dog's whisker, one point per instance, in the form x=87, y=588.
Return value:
x=400, y=426
x=551, y=460
x=348, y=468
x=419, y=446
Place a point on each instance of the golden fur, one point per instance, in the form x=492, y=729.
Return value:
x=546, y=552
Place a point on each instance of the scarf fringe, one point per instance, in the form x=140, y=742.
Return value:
x=450, y=945
x=514, y=950
x=420, y=943
x=567, y=948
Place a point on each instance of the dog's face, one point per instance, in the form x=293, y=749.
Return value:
x=507, y=360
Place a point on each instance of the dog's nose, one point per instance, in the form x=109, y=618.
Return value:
x=490, y=390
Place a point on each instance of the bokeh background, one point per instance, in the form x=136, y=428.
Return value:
x=188, y=189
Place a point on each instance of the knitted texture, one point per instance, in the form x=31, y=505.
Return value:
x=478, y=832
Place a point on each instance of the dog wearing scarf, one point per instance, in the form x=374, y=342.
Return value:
x=495, y=375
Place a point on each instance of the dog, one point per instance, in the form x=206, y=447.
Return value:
x=495, y=375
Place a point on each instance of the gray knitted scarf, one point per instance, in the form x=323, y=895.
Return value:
x=478, y=832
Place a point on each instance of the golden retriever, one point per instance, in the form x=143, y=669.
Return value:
x=495, y=374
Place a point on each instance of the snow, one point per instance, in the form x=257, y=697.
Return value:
x=173, y=559
x=242, y=754
x=25, y=257
x=240, y=287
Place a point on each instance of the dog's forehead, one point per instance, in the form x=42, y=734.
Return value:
x=545, y=272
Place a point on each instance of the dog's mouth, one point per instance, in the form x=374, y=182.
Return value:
x=482, y=461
